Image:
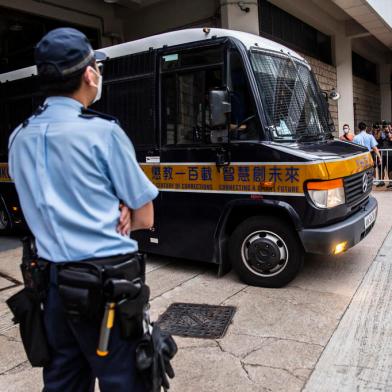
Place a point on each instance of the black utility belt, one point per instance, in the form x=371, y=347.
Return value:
x=128, y=266
x=86, y=286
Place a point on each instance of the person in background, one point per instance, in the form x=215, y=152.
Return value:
x=380, y=137
x=377, y=133
x=387, y=156
x=347, y=135
x=367, y=140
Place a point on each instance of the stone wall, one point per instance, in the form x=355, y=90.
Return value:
x=326, y=77
x=367, y=102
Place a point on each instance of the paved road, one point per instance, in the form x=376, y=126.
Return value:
x=359, y=354
x=277, y=335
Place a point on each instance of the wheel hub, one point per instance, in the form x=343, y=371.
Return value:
x=264, y=254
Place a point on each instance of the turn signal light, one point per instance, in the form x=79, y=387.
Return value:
x=325, y=185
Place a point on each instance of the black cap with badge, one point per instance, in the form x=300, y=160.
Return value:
x=67, y=51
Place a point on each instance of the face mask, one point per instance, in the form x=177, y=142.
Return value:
x=99, y=87
x=345, y=130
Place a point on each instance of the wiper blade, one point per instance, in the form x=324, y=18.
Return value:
x=310, y=138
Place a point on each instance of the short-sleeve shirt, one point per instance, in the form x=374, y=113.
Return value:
x=70, y=174
x=347, y=137
x=366, y=140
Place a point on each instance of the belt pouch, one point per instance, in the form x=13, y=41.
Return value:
x=130, y=314
x=80, y=288
x=26, y=307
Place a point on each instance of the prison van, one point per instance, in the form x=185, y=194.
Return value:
x=235, y=132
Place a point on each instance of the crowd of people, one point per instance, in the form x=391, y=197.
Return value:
x=378, y=140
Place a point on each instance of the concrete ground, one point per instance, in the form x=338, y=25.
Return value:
x=277, y=336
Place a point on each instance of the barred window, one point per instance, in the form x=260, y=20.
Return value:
x=291, y=98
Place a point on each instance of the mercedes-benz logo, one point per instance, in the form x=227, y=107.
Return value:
x=365, y=183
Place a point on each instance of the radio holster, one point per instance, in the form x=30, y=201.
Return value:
x=26, y=305
x=83, y=288
x=80, y=288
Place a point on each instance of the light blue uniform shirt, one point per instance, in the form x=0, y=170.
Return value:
x=365, y=139
x=70, y=173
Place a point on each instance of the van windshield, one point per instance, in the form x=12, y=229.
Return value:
x=293, y=106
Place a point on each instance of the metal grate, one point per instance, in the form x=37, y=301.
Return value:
x=132, y=102
x=290, y=96
x=129, y=95
x=197, y=320
x=354, y=187
x=130, y=65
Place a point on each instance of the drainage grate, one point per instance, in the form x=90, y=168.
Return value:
x=197, y=320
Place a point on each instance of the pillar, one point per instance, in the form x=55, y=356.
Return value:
x=235, y=18
x=344, y=73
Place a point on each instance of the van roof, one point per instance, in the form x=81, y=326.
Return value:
x=171, y=38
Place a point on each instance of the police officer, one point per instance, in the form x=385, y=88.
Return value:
x=71, y=169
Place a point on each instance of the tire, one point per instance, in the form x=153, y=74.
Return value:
x=265, y=251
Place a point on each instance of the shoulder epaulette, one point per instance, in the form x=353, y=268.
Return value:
x=25, y=123
x=90, y=113
x=38, y=111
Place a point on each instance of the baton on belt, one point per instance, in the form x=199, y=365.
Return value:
x=115, y=289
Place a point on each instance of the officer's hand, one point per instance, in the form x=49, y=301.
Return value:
x=124, y=225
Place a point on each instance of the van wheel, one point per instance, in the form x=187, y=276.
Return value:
x=265, y=251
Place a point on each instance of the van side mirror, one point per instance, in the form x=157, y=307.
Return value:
x=220, y=106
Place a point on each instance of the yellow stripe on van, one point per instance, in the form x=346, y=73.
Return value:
x=347, y=167
x=281, y=178
x=235, y=178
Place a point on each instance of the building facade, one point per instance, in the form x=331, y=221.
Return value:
x=347, y=42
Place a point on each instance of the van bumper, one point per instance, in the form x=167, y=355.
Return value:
x=323, y=240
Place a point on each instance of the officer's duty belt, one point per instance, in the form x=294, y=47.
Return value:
x=82, y=284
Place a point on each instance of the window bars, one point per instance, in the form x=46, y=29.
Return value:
x=294, y=107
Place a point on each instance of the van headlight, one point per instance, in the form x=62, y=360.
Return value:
x=326, y=194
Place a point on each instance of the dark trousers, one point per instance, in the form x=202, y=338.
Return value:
x=75, y=364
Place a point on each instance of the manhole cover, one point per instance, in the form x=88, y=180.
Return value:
x=197, y=320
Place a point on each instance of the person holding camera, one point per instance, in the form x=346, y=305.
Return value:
x=387, y=155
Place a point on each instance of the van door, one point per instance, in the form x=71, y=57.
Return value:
x=191, y=150
x=190, y=212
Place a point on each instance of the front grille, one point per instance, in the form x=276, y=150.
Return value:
x=354, y=187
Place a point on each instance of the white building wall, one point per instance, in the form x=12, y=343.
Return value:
x=242, y=18
x=345, y=87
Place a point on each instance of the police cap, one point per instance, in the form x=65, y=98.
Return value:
x=67, y=50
